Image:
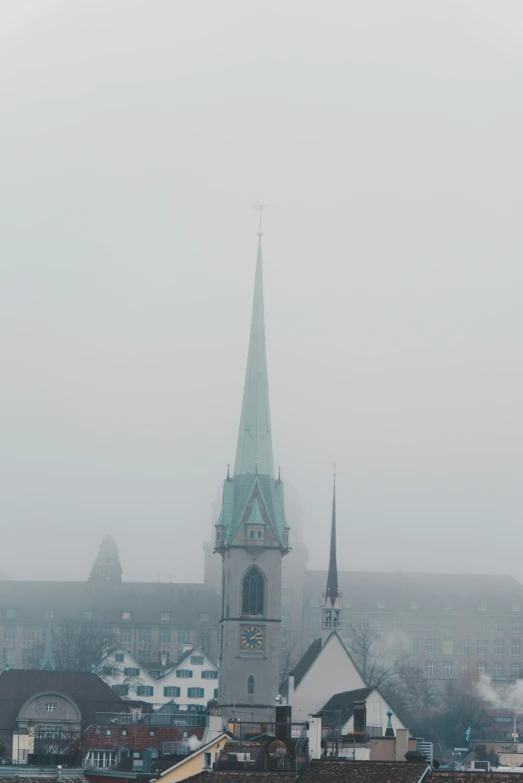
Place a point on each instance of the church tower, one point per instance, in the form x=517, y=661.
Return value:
x=332, y=604
x=252, y=536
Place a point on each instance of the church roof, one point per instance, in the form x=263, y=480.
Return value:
x=306, y=661
x=344, y=702
x=332, y=593
x=253, y=489
x=254, y=448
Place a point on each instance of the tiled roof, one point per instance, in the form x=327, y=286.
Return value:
x=459, y=776
x=363, y=590
x=145, y=601
x=242, y=777
x=346, y=699
x=88, y=691
x=326, y=771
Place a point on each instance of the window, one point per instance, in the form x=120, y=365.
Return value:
x=499, y=670
x=10, y=614
x=165, y=617
x=431, y=646
x=250, y=685
x=464, y=670
x=29, y=634
x=9, y=633
x=216, y=693
x=184, y=636
x=448, y=647
x=481, y=666
x=124, y=732
x=498, y=626
x=171, y=692
x=50, y=706
x=499, y=647
x=412, y=623
x=481, y=647
x=464, y=647
x=120, y=690
x=207, y=760
x=145, y=690
x=430, y=667
x=516, y=607
x=381, y=604
x=209, y=674
x=108, y=732
x=195, y=693
x=414, y=645
x=516, y=626
x=414, y=604
x=145, y=636
x=49, y=614
x=184, y=673
x=119, y=657
x=447, y=668
x=197, y=660
x=164, y=635
x=151, y=733
x=131, y=671
x=204, y=617
x=126, y=636
x=126, y=615
x=431, y=626
x=88, y=615
x=253, y=591
x=515, y=670
x=482, y=607
x=101, y=759
x=447, y=625
x=447, y=606
x=515, y=647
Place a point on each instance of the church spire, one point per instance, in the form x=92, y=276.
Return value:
x=332, y=578
x=48, y=662
x=254, y=449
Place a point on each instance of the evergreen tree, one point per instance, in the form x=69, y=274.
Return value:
x=106, y=567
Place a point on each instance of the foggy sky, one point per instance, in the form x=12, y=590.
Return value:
x=387, y=137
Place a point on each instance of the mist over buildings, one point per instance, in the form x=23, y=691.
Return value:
x=387, y=139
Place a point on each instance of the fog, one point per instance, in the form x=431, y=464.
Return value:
x=386, y=138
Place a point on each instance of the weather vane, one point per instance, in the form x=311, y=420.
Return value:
x=259, y=208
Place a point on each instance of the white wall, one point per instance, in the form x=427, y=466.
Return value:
x=332, y=672
x=170, y=679
x=377, y=707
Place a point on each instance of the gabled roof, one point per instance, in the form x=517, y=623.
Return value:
x=313, y=651
x=306, y=661
x=346, y=700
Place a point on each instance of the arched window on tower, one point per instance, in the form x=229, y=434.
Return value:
x=253, y=592
x=250, y=685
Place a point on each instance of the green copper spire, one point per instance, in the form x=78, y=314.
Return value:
x=254, y=449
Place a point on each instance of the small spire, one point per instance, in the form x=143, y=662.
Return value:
x=332, y=578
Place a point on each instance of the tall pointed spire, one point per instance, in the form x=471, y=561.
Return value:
x=254, y=449
x=332, y=578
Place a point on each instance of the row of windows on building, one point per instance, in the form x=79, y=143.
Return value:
x=446, y=606
x=498, y=625
x=499, y=646
x=31, y=634
x=184, y=674
x=448, y=669
x=169, y=692
x=88, y=614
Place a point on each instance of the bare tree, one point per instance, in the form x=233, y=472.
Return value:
x=376, y=661
x=82, y=646
x=408, y=691
x=287, y=665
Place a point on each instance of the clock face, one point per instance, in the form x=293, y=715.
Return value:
x=251, y=638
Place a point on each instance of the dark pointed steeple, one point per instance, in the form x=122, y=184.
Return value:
x=332, y=578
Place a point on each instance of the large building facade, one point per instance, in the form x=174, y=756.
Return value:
x=252, y=536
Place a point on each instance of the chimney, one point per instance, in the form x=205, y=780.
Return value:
x=290, y=689
x=314, y=734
